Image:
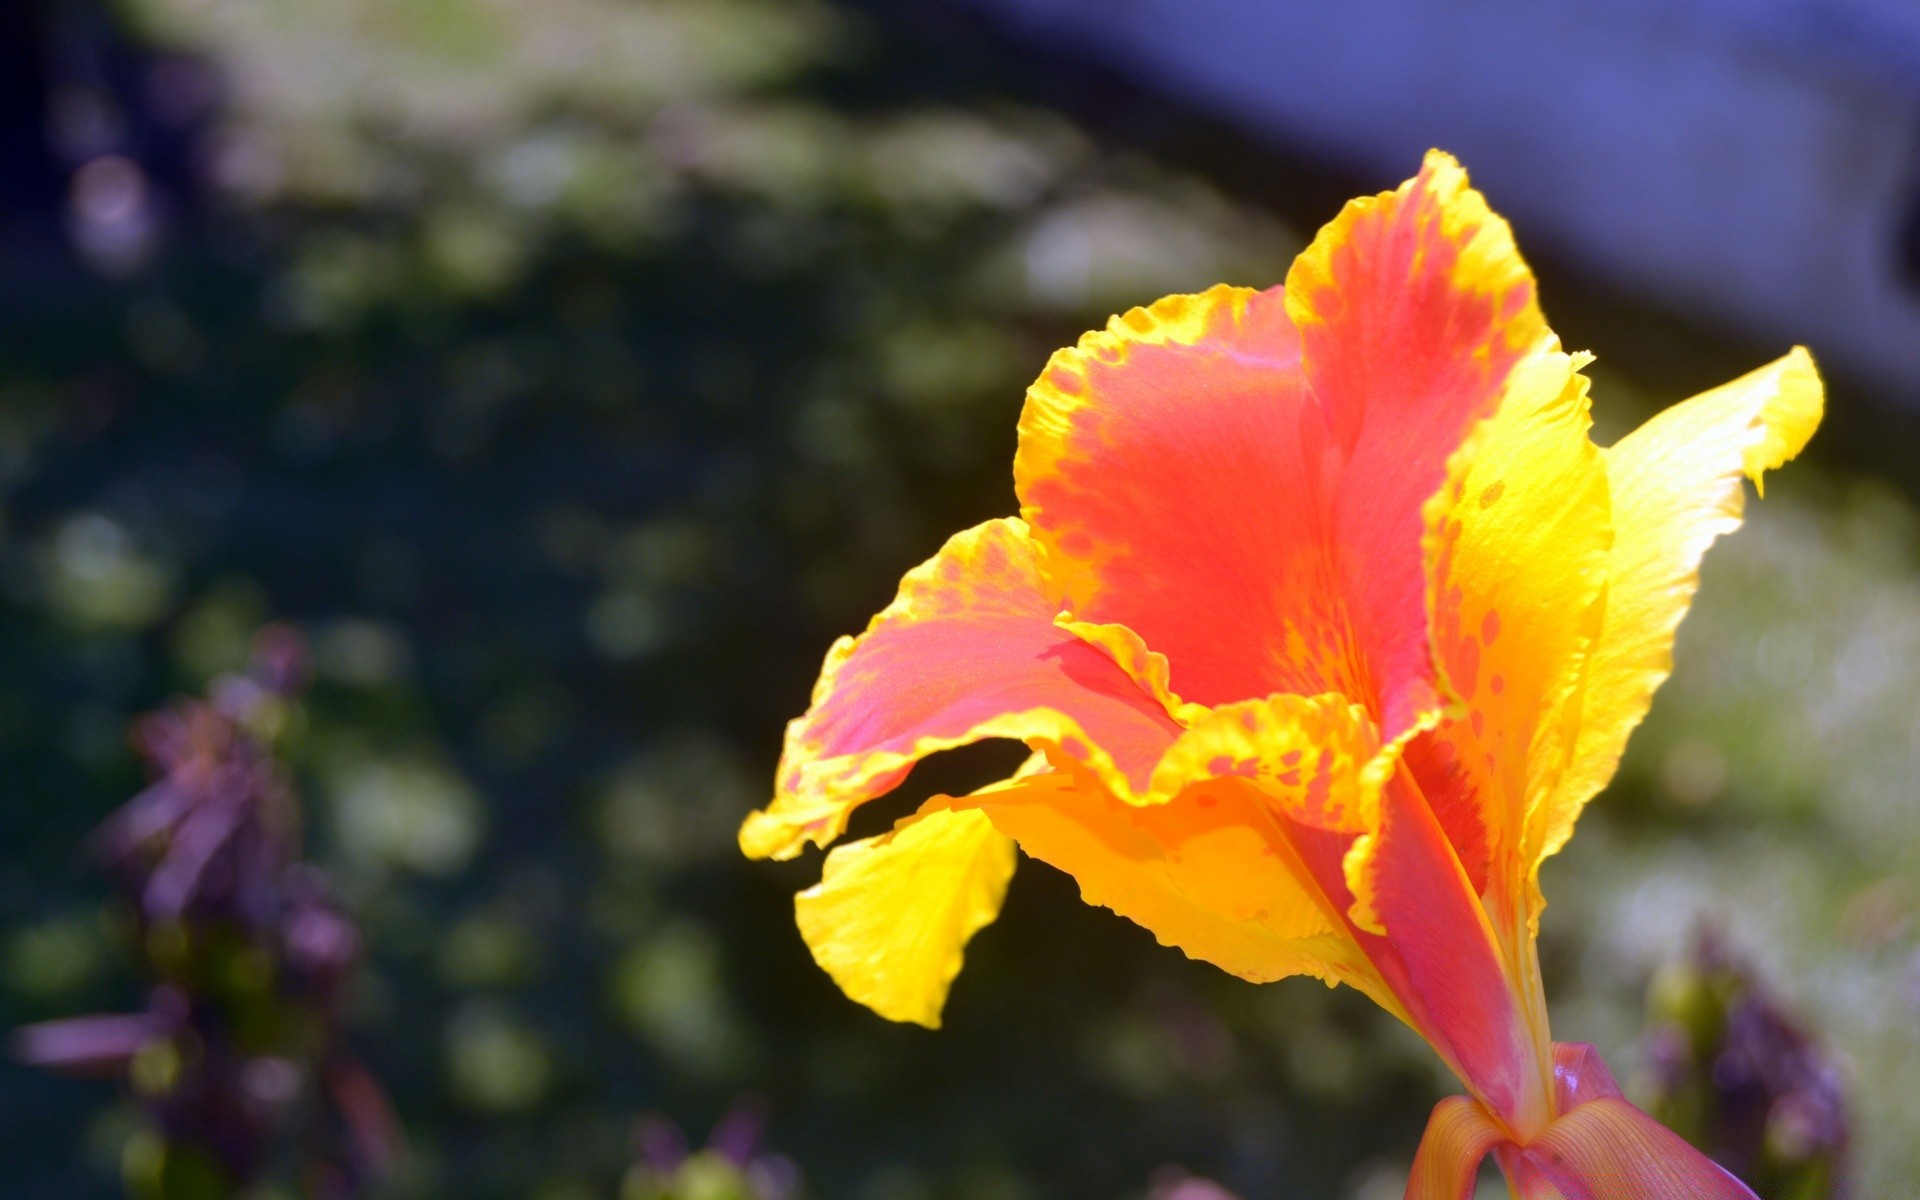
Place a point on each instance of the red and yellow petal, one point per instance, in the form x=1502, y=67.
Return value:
x=1149, y=668
x=967, y=650
x=1169, y=466
x=1317, y=758
x=1256, y=517
x=1677, y=485
x=1413, y=307
x=1417, y=918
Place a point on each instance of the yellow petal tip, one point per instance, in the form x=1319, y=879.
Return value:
x=1357, y=867
x=762, y=836
x=1792, y=411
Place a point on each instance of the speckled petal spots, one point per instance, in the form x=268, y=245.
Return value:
x=1256, y=518
x=1316, y=757
x=1517, y=545
x=968, y=650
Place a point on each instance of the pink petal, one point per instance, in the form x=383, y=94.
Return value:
x=968, y=650
x=1579, y=1076
x=1609, y=1150
x=1434, y=948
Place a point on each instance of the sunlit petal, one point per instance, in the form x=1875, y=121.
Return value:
x=1676, y=487
x=1325, y=618
x=892, y=914
x=1413, y=307
x=1317, y=757
x=968, y=650
x=1517, y=547
x=1423, y=928
x=1208, y=873
x=1170, y=465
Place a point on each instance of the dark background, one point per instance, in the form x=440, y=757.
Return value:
x=573, y=373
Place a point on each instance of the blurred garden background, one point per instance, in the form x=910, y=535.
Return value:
x=569, y=373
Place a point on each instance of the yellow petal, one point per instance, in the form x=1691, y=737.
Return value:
x=1676, y=484
x=1209, y=873
x=1518, y=544
x=892, y=914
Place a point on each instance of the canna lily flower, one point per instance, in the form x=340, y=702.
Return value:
x=1324, y=617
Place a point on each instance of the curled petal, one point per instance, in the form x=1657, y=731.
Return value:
x=892, y=914
x=1208, y=872
x=1607, y=1149
x=1316, y=757
x=1149, y=668
x=1459, y=1135
x=968, y=650
x=1579, y=1076
x=1677, y=486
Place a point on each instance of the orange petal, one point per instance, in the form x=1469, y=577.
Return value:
x=1316, y=757
x=1607, y=1149
x=1149, y=668
x=1255, y=519
x=1413, y=305
x=1459, y=1135
x=1168, y=464
x=968, y=650
x=1208, y=872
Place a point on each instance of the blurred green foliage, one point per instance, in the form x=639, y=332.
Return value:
x=574, y=372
